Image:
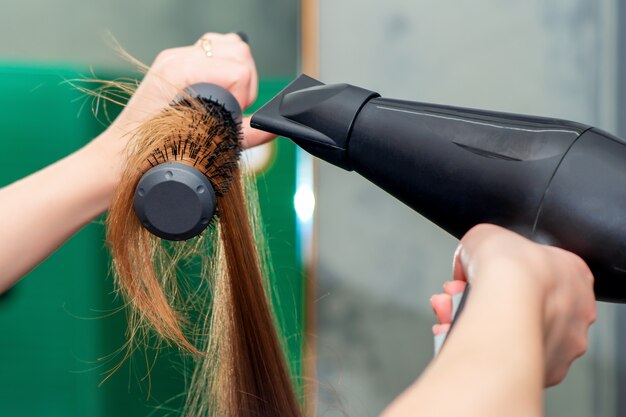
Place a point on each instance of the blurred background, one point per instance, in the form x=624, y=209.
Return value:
x=379, y=261
x=357, y=288
x=62, y=326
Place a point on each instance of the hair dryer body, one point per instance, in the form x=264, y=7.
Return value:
x=554, y=181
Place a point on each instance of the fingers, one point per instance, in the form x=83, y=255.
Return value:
x=254, y=84
x=224, y=46
x=454, y=287
x=253, y=137
x=458, y=271
x=484, y=244
x=231, y=46
x=239, y=50
x=468, y=246
x=440, y=328
x=442, y=304
x=227, y=37
x=230, y=65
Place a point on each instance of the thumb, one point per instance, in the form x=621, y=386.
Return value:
x=458, y=270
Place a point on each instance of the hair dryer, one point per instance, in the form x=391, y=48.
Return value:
x=553, y=181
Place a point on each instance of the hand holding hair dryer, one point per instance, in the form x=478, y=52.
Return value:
x=553, y=181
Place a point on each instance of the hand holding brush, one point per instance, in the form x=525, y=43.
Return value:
x=43, y=210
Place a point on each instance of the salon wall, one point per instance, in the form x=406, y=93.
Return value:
x=379, y=262
x=77, y=31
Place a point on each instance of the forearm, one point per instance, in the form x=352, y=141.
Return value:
x=43, y=210
x=40, y=212
x=491, y=364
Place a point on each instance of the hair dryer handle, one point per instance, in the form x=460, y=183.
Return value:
x=458, y=304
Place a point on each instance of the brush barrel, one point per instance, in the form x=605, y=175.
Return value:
x=175, y=201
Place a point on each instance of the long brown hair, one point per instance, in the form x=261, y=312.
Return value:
x=225, y=322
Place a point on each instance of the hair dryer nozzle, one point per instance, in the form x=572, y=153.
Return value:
x=317, y=117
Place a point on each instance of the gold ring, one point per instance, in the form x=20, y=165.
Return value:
x=207, y=46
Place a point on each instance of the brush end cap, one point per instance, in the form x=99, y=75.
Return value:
x=174, y=201
x=213, y=92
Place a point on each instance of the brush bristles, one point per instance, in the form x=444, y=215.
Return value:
x=240, y=368
x=208, y=139
x=195, y=132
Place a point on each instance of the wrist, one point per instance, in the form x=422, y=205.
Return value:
x=108, y=152
x=103, y=161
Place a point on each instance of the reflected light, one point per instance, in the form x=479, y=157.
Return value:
x=304, y=203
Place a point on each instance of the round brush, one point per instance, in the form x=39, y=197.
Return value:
x=176, y=198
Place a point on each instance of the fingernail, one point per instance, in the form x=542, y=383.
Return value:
x=453, y=287
x=447, y=284
x=433, y=300
x=440, y=328
x=457, y=251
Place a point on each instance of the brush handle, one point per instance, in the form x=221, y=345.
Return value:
x=458, y=304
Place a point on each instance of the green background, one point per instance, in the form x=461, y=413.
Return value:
x=62, y=327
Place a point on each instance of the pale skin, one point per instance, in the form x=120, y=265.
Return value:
x=524, y=324
x=40, y=212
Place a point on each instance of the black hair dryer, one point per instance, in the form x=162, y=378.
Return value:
x=553, y=181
